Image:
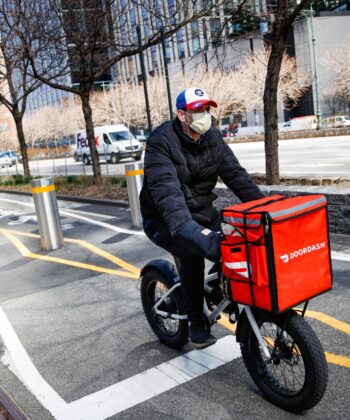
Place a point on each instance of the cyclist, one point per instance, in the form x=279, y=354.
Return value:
x=183, y=159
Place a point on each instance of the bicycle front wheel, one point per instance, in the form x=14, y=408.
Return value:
x=295, y=378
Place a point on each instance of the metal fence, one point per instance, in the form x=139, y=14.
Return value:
x=53, y=163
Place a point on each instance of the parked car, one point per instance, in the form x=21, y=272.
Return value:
x=336, y=122
x=250, y=130
x=5, y=160
x=13, y=156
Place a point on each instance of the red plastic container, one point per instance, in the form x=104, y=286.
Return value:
x=278, y=255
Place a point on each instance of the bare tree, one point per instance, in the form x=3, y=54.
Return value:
x=16, y=83
x=285, y=12
x=81, y=42
x=8, y=140
x=236, y=92
x=292, y=83
x=53, y=123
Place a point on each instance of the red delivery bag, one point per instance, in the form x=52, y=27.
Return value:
x=278, y=254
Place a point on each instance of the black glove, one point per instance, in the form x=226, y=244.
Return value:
x=204, y=240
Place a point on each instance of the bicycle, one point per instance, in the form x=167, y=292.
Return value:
x=281, y=351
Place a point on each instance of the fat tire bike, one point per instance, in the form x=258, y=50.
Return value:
x=281, y=352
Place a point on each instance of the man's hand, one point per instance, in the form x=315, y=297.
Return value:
x=206, y=241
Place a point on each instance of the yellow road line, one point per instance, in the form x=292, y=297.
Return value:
x=224, y=321
x=337, y=359
x=329, y=320
x=107, y=256
x=17, y=232
x=19, y=245
x=26, y=253
x=92, y=248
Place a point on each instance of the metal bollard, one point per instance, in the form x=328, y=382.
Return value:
x=134, y=180
x=45, y=201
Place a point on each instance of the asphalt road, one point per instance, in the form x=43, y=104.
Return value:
x=74, y=342
x=316, y=157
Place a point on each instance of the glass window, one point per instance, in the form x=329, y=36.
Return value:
x=180, y=38
x=121, y=135
x=154, y=56
x=228, y=7
x=133, y=23
x=205, y=34
x=215, y=34
x=168, y=51
x=196, y=45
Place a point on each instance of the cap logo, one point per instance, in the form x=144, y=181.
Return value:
x=199, y=92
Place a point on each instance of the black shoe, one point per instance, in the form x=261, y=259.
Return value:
x=198, y=334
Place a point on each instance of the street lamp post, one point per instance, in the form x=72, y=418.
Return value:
x=313, y=39
x=138, y=30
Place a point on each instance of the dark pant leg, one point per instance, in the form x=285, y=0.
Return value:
x=192, y=265
x=192, y=280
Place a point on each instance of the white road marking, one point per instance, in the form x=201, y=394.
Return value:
x=86, y=219
x=23, y=219
x=104, y=225
x=120, y=396
x=341, y=256
x=104, y=216
x=67, y=226
x=29, y=375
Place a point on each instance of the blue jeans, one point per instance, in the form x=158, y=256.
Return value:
x=191, y=260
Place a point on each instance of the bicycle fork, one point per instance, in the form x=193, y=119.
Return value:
x=256, y=331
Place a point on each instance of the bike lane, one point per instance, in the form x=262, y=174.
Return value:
x=86, y=334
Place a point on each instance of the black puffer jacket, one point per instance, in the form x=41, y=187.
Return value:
x=180, y=176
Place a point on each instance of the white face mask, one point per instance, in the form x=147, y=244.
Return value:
x=201, y=122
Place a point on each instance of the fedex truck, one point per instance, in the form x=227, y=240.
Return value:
x=113, y=143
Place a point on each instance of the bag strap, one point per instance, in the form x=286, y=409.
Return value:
x=265, y=204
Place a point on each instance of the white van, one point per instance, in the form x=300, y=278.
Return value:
x=113, y=142
x=308, y=122
x=336, y=122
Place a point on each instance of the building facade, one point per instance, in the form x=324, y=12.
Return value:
x=203, y=42
x=315, y=39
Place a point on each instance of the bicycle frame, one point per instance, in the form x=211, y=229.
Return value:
x=212, y=315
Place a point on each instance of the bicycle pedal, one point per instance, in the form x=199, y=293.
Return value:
x=233, y=312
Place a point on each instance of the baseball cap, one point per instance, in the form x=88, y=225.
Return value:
x=193, y=98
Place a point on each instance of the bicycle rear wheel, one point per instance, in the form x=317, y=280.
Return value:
x=295, y=378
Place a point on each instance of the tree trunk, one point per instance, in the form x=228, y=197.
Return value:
x=87, y=111
x=22, y=142
x=279, y=35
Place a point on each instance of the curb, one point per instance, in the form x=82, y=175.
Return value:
x=117, y=203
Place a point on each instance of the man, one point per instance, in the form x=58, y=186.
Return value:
x=183, y=161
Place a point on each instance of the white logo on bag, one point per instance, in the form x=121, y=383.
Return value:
x=302, y=251
x=240, y=268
